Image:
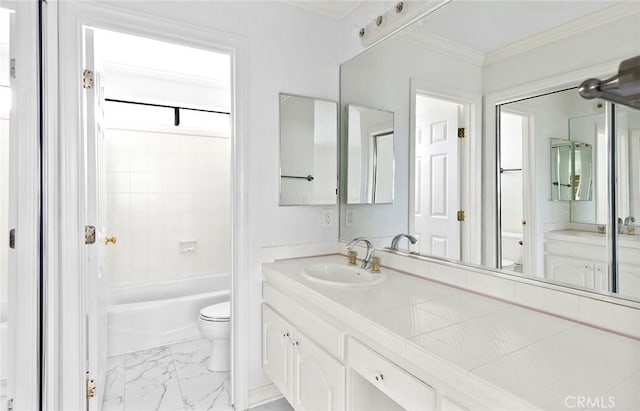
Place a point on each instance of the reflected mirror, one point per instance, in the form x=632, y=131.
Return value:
x=369, y=156
x=308, y=150
x=571, y=165
x=477, y=185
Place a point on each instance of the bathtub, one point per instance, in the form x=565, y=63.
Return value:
x=148, y=315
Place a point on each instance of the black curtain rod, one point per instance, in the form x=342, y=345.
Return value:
x=113, y=100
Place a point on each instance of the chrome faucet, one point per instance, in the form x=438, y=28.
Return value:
x=396, y=240
x=627, y=223
x=367, y=259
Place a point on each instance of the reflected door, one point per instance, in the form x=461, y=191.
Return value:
x=437, y=181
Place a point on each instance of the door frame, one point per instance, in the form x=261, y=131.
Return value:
x=24, y=211
x=490, y=177
x=469, y=162
x=64, y=174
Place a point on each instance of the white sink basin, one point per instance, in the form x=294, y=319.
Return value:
x=342, y=275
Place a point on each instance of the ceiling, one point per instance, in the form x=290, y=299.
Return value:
x=489, y=25
x=329, y=8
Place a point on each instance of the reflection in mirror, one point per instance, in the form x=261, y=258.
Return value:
x=505, y=52
x=571, y=166
x=370, y=161
x=308, y=150
x=628, y=194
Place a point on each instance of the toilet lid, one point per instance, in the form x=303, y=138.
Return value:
x=220, y=311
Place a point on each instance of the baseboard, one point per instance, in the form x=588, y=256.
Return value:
x=263, y=395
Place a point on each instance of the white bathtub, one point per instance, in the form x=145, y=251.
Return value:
x=152, y=314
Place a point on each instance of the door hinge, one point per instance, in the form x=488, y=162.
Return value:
x=10, y=404
x=461, y=215
x=87, y=79
x=91, y=388
x=12, y=238
x=89, y=234
x=462, y=132
x=12, y=68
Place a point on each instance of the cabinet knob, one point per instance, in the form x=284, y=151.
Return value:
x=110, y=239
x=285, y=334
x=295, y=343
x=379, y=377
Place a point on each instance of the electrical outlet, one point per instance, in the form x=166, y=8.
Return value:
x=349, y=217
x=327, y=218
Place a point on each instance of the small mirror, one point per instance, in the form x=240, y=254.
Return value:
x=308, y=151
x=571, y=170
x=370, y=162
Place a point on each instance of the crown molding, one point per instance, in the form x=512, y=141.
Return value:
x=572, y=28
x=444, y=46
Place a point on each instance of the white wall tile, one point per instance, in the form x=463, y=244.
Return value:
x=547, y=300
x=163, y=189
x=610, y=316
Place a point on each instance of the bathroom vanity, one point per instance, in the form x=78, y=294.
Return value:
x=411, y=343
x=579, y=258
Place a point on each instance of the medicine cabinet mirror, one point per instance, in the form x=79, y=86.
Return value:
x=516, y=127
x=308, y=151
x=370, y=164
x=571, y=170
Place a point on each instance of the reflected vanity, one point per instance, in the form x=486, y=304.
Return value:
x=533, y=200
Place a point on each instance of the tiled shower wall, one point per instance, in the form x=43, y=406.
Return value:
x=164, y=189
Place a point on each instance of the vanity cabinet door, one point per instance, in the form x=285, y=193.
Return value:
x=319, y=379
x=570, y=271
x=277, y=337
x=629, y=280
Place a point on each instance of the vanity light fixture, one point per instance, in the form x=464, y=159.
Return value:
x=381, y=22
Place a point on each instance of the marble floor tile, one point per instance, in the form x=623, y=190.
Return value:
x=151, y=382
x=277, y=405
x=114, y=385
x=201, y=388
x=173, y=377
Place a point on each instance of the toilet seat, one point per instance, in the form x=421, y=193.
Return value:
x=220, y=312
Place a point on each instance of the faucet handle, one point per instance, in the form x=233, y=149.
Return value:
x=375, y=264
x=353, y=257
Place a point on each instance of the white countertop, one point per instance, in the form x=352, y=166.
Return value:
x=488, y=348
x=592, y=237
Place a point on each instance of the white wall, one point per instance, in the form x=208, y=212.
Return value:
x=163, y=189
x=289, y=50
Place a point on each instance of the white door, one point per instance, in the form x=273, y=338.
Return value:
x=277, y=338
x=318, y=378
x=437, y=177
x=95, y=191
x=570, y=271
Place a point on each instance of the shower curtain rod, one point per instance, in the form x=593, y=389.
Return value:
x=623, y=88
x=176, y=109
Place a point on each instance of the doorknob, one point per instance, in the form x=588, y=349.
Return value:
x=110, y=239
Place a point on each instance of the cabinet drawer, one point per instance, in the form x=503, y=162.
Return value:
x=402, y=387
x=320, y=331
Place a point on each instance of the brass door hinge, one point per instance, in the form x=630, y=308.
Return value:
x=460, y=215
x=87, y=79
x=462, y=132
x=91, y=388
x=89, y=234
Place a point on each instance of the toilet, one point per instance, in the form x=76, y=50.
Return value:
x=215, y=325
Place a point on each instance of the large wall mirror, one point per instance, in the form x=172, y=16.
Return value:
x=308, y=150
x=498, y=161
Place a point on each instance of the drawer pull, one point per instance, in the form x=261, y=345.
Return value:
x=285, y=334
x=295, y=343
x=379, y=377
